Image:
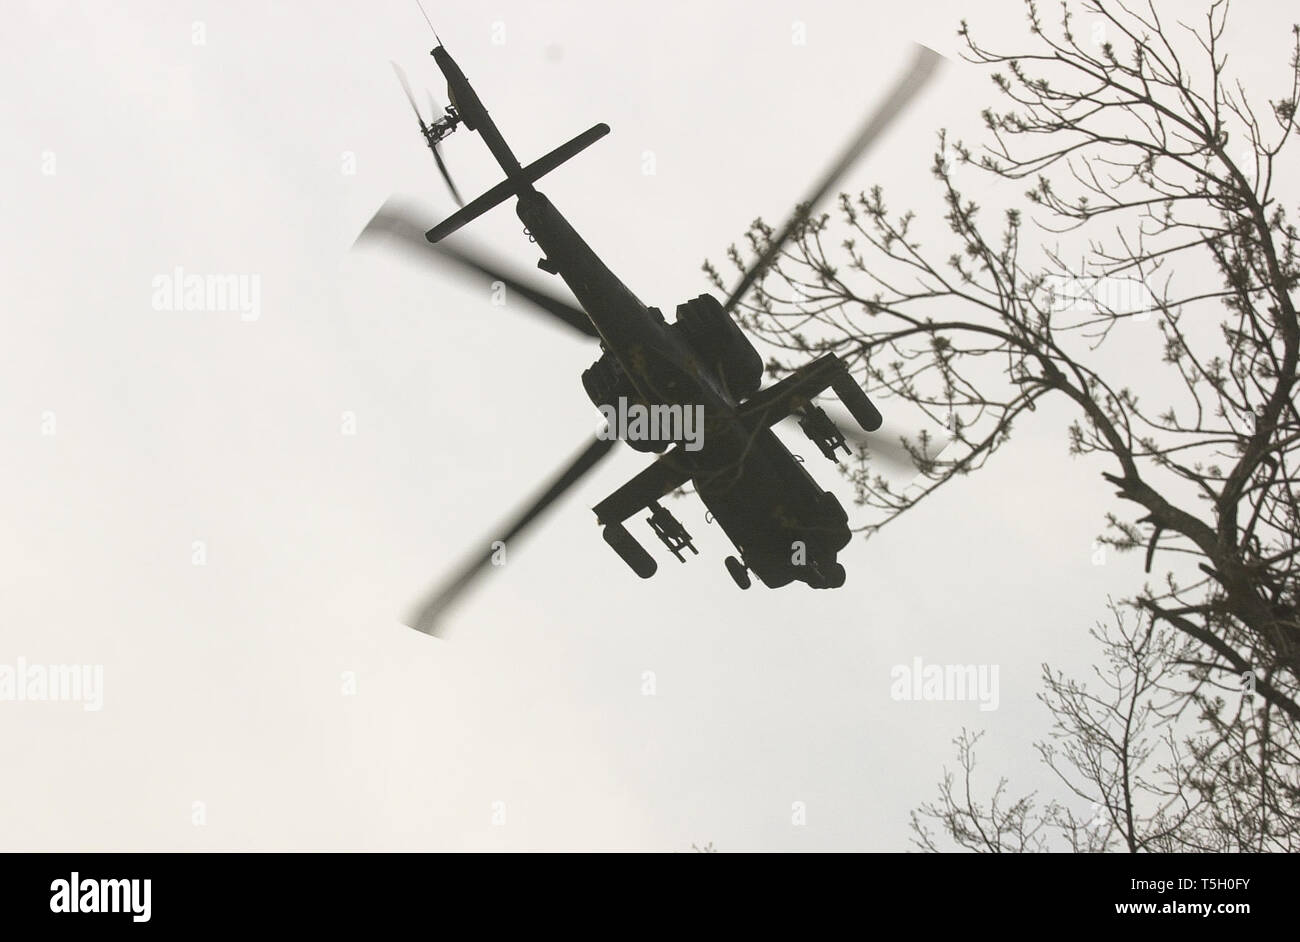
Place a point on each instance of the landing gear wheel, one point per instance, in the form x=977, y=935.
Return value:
x=739, y=574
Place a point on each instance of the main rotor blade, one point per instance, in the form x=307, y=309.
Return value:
x=924, y=63
x=442, y=168
x=426, y=616
x=396, y=221
x=406, y=87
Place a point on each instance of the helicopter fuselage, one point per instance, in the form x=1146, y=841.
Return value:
x=785, y=526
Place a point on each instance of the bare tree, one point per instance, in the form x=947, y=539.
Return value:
x=994, y=828
x=1142, y=774
x=1140, y=151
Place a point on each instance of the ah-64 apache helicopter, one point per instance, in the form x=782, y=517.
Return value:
x=785, y=527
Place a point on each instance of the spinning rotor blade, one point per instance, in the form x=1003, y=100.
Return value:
x=406, y=87
x=425, y=617
x=924, y=63
x=393, y=220
x=442, y=168
x=437, y=154
x=424, y=128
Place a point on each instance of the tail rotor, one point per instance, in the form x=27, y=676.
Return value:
x=434, y=131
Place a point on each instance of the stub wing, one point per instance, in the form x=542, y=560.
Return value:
x=669, y=472
x=796, y=392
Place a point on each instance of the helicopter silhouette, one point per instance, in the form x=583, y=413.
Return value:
x=785, y=527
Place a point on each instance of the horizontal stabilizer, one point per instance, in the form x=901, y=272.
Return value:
x=516, y=183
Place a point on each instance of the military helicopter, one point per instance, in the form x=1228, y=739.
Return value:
x=785, y=527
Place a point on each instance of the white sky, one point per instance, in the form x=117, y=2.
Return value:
x=222, y=682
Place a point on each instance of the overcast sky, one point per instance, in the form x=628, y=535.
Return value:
x=257, y=139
